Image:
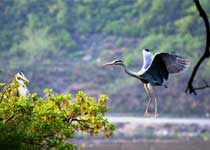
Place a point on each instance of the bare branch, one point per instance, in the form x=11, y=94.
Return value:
x=206, y=53
x=206, y=85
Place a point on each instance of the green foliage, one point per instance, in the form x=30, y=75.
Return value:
x=127, y=57
x=41, y=36
x=183, y=24
x=36, y=29
x=35, y=122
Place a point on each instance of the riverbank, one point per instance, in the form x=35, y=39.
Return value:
x=151, y=134
x=151, y=145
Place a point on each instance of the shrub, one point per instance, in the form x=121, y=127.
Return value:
x=35, y=122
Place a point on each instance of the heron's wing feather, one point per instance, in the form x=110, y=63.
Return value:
x=163, y=64
x=174, y=63
x=156, y=72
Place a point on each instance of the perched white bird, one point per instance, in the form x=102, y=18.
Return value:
x=155, y=70
x=22, y=82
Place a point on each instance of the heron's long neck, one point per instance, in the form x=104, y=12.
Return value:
x=131, y=73
x=21, y=83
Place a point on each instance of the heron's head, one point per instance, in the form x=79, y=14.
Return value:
x=20, y=77
x=115, y=62
x=146, y=50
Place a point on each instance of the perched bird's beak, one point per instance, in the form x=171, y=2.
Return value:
x=25, y=79
x=108, y=64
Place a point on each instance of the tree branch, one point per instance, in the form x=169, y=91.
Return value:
x=206, y=53
x=10, y=118
x=81, y=122
x=206, y=85
x=3, y=89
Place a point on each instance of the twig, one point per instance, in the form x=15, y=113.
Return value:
x=81, y=122
x=10, y=118
x=32, y=142
x=2, y=96
x=4, y=88
x=206, y=85
x=206, y=53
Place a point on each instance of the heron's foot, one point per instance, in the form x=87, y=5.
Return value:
x=157, y=114
x=146, y=114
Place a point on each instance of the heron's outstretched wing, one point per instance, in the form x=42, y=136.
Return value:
x=163, y=64
x=174, y=63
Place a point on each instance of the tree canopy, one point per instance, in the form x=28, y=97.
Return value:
x=69, y=38
x=35, y=122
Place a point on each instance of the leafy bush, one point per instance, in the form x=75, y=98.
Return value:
x=35, y=122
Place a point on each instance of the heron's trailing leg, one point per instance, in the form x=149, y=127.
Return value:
x=150, y=99
x=156, y=105
x=156, y=110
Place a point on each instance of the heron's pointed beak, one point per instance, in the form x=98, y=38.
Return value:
x=108, y=64
x=25, y=79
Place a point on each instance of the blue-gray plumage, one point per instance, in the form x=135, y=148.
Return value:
x=155, y=70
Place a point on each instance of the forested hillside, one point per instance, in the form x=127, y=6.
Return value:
x=61, y=44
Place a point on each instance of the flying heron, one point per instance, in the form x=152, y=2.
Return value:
x=22, y=81
x=155, y=71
